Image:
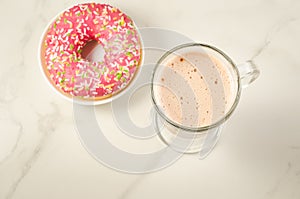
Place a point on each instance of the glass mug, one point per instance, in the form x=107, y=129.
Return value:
x=195, y=88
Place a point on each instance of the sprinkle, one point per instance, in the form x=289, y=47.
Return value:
x=71, y=46
x=119, y=75
x=95, y=21
x=62, y=80
x=65, y=20
x=101, y=85
x=89, y=11
x=123, y=79
x=104, y=69
x=129, y=54
x=105, y=23
x=109, y=86
x=122, y=22
x=71, y=24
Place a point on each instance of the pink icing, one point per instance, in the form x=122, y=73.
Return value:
x=70, y=32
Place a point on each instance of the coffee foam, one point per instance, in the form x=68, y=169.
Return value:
x=195, y=88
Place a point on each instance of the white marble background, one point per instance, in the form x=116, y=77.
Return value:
x=259, y=152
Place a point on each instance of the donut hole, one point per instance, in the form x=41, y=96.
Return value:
x=93, y=51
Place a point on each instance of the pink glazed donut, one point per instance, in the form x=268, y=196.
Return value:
x=65, y=38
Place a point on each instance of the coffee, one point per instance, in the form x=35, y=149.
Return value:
x=195, y=88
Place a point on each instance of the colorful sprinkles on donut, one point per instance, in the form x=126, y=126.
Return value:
x=71, y=31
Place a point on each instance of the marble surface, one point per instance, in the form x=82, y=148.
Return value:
x=258, y=155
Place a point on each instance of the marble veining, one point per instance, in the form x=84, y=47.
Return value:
x=8, y=82
x=13, y=149
x=130, y=188
x=46, y=126
x=271, y=34
x=294, y=147
x=279, y=181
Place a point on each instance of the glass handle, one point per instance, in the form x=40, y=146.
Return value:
x=248, y=73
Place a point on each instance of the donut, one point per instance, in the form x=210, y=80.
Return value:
x=75, y=76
